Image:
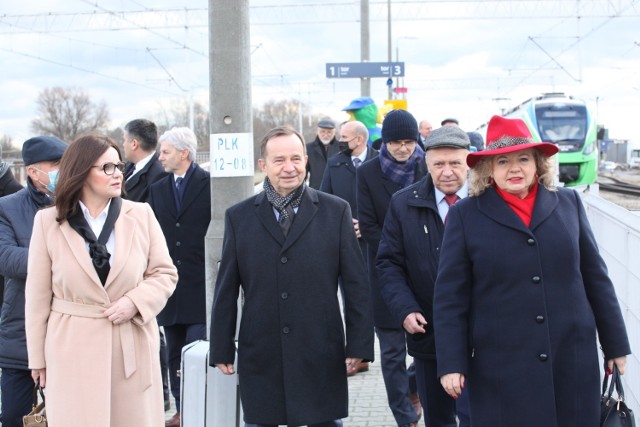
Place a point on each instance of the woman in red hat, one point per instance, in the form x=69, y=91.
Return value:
x=522, y=291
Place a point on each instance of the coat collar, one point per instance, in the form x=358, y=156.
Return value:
x=133, y=181
x=199, y=179
x=306, y=211
x=124, y=232
x=492, y=205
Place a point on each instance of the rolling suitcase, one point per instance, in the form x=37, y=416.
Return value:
x=209, y=398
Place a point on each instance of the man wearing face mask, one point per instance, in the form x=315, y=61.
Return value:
x=41, y=155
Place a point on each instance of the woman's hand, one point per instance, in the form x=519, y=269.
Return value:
x=121, y=311
x=619, y=361
x=39, y=375
x=453, y=384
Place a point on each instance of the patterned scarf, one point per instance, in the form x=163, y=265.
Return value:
x=402, y=173
x=280, y=203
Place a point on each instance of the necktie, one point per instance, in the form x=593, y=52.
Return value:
x=286, y=221
x=129, y=171
x=356, y=162
x=450, y=199
x=179, y=183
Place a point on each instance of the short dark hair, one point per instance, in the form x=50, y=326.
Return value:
x=75, y=165
x=279, y=131
x=144, y=131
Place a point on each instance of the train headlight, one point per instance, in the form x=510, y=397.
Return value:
x=589, y=149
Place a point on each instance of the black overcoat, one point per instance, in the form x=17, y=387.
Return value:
x=516, y=310
x=137, y=187
x=184, y=231
x=291, y=344
x=317, y=160
x=374, y=194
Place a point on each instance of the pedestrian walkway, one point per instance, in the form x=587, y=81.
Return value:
x=368, y=405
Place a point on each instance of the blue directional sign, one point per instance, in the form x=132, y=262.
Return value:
x=364, y=69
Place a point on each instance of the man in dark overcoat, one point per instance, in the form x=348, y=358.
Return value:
x=340, y=175
x=319, y=150
x=285, y=248
x=408, y=263
x=182, y=203
x=399, y=164
x=140, y=141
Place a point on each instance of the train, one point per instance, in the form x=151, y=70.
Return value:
x=569, y=123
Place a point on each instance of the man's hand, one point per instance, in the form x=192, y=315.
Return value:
x=226, y=368
x=356, y=227
x=352, y=364
x=414, y=323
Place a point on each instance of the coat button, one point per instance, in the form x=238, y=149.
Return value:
x=284, y=295
x=539, y=319
x=543, y=357
x=283, y=260
x=178, y=243
x=285, y=330
x=531, y=242
x=178, y=224
x=178, y=262
x=536, y=279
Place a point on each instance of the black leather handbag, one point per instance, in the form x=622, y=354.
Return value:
x=613, y=411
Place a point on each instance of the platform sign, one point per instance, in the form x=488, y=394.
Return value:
x=347, y=70
x=231, y=154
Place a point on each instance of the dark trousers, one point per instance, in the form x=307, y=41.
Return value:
x=336, y=423
x=438, y=407
x=17, y=396
x=164, y=366
x=177, y=337
x=393, y=362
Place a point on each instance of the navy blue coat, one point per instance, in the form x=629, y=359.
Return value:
x=408, y=259
x=16, y=222
x=374, y=194
x=340, y=178
x=185, y=232
x=137, y=187
x=291, y=344
x=516, y=310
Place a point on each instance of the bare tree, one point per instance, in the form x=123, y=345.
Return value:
x=179, y=116
x=68, y=112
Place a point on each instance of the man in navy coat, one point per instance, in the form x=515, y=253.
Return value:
x=408, y=262
x=400, y=164
x=182, y=204
x=285, y=248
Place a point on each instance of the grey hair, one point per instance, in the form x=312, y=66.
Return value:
x=480, y=175
x=181, y=139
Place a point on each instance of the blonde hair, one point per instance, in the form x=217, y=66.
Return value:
x=480, y=175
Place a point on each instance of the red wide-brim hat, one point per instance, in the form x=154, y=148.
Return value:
x=506, y=136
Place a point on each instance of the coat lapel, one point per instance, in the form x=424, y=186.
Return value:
x=492, y=205
x=267, y=217
x=546, y=203
x=124, y=230
x=306, y=211
x=194, y=188
x=78, y=247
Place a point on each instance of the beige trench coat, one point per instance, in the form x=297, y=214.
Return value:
x=98, y=374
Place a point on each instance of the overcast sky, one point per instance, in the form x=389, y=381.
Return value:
x=463, y=59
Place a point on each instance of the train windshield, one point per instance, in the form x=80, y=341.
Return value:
x=563, y=124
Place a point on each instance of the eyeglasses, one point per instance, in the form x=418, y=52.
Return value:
x=398, y=144
x=109, y=168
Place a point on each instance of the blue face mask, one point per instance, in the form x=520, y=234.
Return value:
x=53, y=180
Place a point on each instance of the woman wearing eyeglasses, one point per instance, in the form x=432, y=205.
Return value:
x=99, y=272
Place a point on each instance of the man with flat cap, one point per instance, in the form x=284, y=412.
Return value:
x=41, y=155
x=408, y=257
x=319, y=150
x=450, y=121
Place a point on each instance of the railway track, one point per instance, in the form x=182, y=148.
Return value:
x=616, y=185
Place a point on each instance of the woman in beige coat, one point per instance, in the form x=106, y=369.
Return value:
x=99, y=272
